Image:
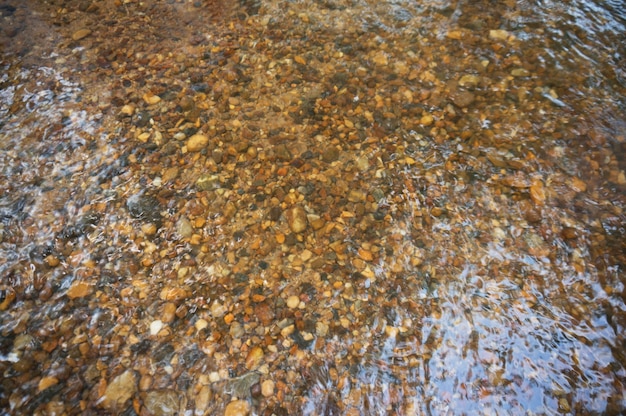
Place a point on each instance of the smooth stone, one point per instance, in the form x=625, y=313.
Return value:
x=119, y=390
x=426, y=120
x=144, y=207
x=155, y=327
x=469, y=80
x=184, y=228
x=282, y=153
x=254, y=358
x=297, y=219
x=462, y=98
x=78, y=289
x=331, y=154
x=208, y=182
x=267, y=388
x=499, y=34
x=47, y=381
x=293, y=302
x=520, y=72
x=169, y=312
x=237, y=408
x=162, y=403
x=80, y=34
x=197, y=142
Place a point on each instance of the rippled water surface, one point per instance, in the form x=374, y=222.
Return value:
x=338, y=207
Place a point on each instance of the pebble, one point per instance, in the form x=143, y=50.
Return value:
x=201, y=324
x=184, y=228
x=169, y=312
x=119, y=390
x=297, y=219
x=149, y=228
x=294, y=205
x=469, y=80
x=264, y=313
x=293, y=302
x=7, y=297
x=80, y=34
x=128, y=110
x=254, y=358
x=79, y=289
x=537, y=192
x=462, y=98
x=217, y=310
x=267, y=388
x=499, y=34
x=330, y=154
x=162, y=403
x=174, y=294
x=151, y=98
x=202, y=400
x=237, y=408
x=208, y=182
x=520, y=72
x=197, y=142
x=155, y=327
x=427, y=120
x=46, y=382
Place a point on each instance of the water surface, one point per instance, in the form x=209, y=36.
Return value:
x=299, y=207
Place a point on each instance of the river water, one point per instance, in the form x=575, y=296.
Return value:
x=339, y=207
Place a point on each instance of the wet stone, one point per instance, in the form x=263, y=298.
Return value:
x=297, y=219
x=330, y=154
x=80, y=34
x=162, y=403
x=254, y=358
x=184, y=227
x=462, y=98
x=119, y=390
x=144, y=207
x=237, y=408
x=197, y=142
x=208, y=182
x=267, y=388
x=282, y=152
x=79, y=289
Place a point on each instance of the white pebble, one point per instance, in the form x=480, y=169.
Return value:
x=155, y=327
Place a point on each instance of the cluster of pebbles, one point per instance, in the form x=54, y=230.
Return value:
x=313, y=207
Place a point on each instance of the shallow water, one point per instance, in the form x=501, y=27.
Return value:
x=338, y=207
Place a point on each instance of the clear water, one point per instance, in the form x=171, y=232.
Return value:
x=470, y=263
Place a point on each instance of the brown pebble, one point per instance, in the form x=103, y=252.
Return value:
x=46, y=382
x=7, y=296
x=264, y=313
x=174, y=294
x=462, y=98
x=365, y=254
x=254, y=358
x=78, y=289
x=237, y=408
x=330, y=155
x=119, y=390
x=569, y=233
x=197, y=142
x=297, y=220
x=169, y=312
x=80, y=34
x=267, y=388
x=52, y=261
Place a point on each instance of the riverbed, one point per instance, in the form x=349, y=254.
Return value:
x=338, y=207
